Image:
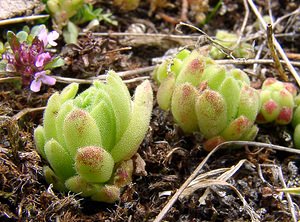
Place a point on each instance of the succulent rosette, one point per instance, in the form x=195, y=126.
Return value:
x=277, y=102
x=206, y=97
x=89, y=140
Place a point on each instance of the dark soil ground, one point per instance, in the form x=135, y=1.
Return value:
x=170, y=156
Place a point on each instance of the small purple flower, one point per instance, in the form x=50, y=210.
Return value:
x=29, y=58
x=39, y=78
x=42, y=59
x=48, y=38
x=51, y=37
x=43, y=36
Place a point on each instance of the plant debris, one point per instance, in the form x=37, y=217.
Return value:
x=241, y=182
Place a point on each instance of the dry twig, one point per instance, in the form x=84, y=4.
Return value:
x=276, y=43
x=278, y=66
x=288, y=196
x=22, y=19
x=174, y=198
x=244, y=24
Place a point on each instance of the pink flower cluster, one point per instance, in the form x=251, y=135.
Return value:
x=29, y=60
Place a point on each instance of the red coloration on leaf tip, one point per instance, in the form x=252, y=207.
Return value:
x=90, y=156
x=76, y=114
x=210, y=144
x=213, y=99
x=291, y=88
x=285, y=115
x=196, y=65
x=269, y=81
x=270, y=106
x=283, y=93
x=240, y=123
x=186, y=91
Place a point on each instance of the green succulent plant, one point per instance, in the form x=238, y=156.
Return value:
x=89, y=140
x=206, y=97
x=277, y=102
x=229, y=40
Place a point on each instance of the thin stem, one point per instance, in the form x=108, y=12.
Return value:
x=276, y=43
x=278, y=66
x=22, y=19
x=297, y=11
x=244, y=24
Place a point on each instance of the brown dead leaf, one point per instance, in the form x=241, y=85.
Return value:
x=140, y=165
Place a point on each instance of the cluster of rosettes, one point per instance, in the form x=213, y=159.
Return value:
x=206, y=97
x=26, y=55
x=277, y=102
x=89, y=140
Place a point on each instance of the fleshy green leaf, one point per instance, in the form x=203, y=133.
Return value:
x=192, y=69
x=107, y=193
x=165, y=92
x=284, y=98
x=176, y=66
x=39, y=139
x=69, y=92
x=105, y=119
x=65, y=109
x=50, y=115
x=270, y=110
x=250, y=134
x=36, y=30
x=80, y=130
x=138, y=126
x=211, y=111
x=94, y=164
x=183, y=54
x=230, y=90
x=51, y=178
x=183, y=107
x=249, y=104
x=121, y=102
x=214, y=75
x=237, y=128
x=77, y=184
x=240, y=75
x=60, y=161
x=296, y=117
x=297, y=136
x=161, y=71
